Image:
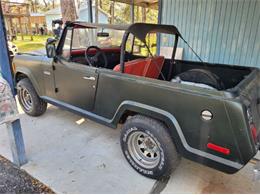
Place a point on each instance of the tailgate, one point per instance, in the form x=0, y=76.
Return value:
x=250, y=94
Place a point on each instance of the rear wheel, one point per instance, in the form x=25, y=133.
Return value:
x=29, y=100
x=148, y=147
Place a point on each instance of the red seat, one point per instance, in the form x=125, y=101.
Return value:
x=149, y=67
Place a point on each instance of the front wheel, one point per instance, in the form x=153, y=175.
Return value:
x=148, y=147
x=29, y=100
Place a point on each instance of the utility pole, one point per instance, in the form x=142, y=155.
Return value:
x=90, y=11
x=14, y=128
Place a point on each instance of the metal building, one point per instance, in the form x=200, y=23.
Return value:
x=221, y=31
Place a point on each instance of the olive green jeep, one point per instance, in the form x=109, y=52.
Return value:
x=169, y=108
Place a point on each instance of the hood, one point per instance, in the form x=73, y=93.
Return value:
x=41, y=52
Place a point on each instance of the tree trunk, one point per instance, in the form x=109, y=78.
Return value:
x=68, y=10
x=143, y=14
x=112, y=12
x=45, y=3
x=96, y=11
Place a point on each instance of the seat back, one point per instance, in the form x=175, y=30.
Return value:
x=154, y=67
x=149, y=67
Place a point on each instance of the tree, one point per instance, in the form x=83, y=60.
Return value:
x=41, y=6
x=33, y=4
x=68, y=10
x=45, y=3
x=122, y=12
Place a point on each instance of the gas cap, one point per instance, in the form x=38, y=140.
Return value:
x=206, y=115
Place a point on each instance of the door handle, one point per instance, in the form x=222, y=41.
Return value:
x=89, y=78
x=47, y=73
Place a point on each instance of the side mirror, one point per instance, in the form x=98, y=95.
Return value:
x=50, y=48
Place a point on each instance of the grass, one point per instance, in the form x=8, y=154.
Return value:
x=27, y=45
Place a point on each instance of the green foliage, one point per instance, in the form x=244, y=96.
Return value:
x=123, y=12
x=27, y=45
x=42, y=5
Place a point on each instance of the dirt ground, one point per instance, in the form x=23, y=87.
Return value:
x=14, y=180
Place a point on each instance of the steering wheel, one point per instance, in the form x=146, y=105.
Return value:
x=94, y=59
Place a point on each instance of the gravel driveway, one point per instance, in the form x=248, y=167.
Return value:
x=14, y=180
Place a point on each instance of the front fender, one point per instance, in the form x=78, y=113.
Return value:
x=30, y=75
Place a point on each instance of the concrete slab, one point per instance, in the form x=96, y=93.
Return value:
x=75, y=155
x=192, y=177
x=5, y=149
x=258, y=156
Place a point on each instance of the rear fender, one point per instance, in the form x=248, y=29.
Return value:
x=168, y=119
x=177, y=135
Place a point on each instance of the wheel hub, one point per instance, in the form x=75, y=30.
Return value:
x=25, y=98
x=144, y=149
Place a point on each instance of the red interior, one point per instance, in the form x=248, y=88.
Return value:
x=93, y=51
x=149, y=67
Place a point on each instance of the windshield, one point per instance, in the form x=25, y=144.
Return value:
x=103, y=38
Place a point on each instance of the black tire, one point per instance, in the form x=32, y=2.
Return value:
x=167, y=158
x=37, y=106
x=202, y=76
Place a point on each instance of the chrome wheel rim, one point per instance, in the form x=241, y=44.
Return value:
x=25, y=99
x=144, y=150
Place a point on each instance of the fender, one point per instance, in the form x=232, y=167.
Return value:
x=29, y=74
x=175, y=131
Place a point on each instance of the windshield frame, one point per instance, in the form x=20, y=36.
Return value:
x=133, y=29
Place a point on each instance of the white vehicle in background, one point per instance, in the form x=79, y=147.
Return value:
x=13, y=49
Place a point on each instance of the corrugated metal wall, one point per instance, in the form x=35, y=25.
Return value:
x=221, y=31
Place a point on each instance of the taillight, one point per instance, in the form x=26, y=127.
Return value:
x=254, y=132
x=218, y=148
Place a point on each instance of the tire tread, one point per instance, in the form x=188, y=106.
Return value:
x=39, y=105
x=161, y=132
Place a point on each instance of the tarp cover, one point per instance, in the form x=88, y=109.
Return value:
x=140, y=30
x=8, y=108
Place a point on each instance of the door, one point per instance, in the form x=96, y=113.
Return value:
x=75, y=83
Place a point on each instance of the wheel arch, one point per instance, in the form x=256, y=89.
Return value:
x=24, y=73
x=128, y=108
x=19, y=76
